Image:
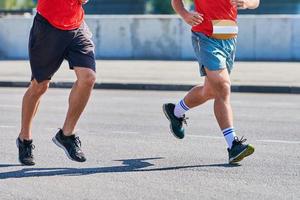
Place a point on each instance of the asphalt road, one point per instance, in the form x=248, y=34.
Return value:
x=131, y=154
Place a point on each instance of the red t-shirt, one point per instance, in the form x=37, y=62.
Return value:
x=62, y=14
x=213, y=10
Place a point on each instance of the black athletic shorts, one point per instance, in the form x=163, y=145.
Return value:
x=49, y=46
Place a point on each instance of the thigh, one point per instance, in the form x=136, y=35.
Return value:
x=217, y=78
x=46, y=49
x=209, y=53
x=231, y=48
x=81, y=51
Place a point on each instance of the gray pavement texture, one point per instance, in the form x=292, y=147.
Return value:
x=265, y=77
x=131, y=154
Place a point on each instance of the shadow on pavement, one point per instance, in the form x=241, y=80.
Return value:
x=129, y=165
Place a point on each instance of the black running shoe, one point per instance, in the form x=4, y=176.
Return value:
x=71, y=145
x=176, y=124
x=25, y=151
x=239, y=150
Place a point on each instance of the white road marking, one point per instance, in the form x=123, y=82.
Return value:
x=263, y=141
x=10, y=106
x=206, y=136
x=50, y=128
x=125, y=132
x=4, y=126
x=279, y=141
x=197, y=136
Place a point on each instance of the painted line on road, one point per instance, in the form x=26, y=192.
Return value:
x=279, y=141
x=6, y=126
x=125, y=132
x=197, y=136
x=10, y=106
x=206, y=136
x=264, y=141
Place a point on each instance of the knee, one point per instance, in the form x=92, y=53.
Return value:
x=223, y=89
x=87, y=80
x=38, y=89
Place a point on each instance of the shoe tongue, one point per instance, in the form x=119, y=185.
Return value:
x=27, y=142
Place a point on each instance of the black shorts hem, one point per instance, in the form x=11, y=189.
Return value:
x=92, y=68
x=40, y=80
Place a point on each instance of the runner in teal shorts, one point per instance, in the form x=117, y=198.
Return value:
x=213, y=53
x=214, y=35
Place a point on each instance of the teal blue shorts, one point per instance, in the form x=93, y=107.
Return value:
x=213, y=54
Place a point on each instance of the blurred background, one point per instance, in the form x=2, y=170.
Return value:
x=149, y=29
x=148, y=7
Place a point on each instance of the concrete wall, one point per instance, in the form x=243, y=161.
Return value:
x=264, y=37
x=269, y=37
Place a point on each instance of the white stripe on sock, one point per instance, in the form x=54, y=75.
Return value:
x=229, y=135
x=180, y=109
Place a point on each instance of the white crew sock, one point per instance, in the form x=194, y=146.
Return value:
x=180, y=109
x=229, y=135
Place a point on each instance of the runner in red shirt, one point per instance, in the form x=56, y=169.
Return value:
x=70, y=19
x=214, y=32
x=58, y=32
x=212, y=11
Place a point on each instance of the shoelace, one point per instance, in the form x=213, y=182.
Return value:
x=77, y=141
x=240, y=141
x=28, y=150
x=184, y=120
x=76, y=144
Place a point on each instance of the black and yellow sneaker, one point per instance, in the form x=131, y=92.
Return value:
x=176, y=124
x=239, y=150
x=25, y=152
x=71, y=145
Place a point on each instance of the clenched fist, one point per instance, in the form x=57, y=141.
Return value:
x=83, y=1
x=245, y=4
x=240, y=4
x=193, y=18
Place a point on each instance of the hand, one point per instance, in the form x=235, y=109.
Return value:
x=193, y=18
x=83, y=1
x=240, y=4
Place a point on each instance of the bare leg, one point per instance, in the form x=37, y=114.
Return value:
x=220, y=82
x=78, y=98
x=30, y=104
x=199, y=95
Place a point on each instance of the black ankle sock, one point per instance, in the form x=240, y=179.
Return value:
x=27, y=142
x=64, y=136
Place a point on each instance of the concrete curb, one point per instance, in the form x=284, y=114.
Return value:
x=164, y=87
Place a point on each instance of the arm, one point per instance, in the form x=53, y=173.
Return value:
x=245, y=4
x=191, y=18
